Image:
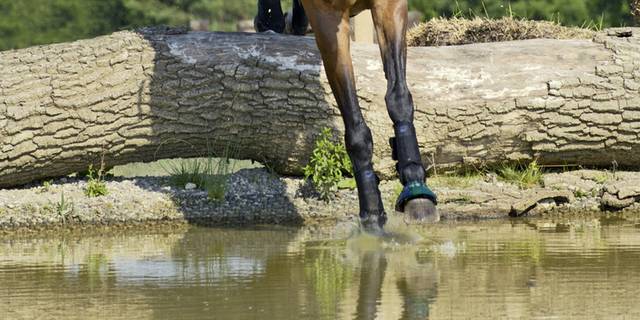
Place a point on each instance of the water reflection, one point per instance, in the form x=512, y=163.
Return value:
x=532, y=269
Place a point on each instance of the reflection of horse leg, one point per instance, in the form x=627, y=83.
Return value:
x=270, y=16
x=374, y=265
x=299, y=22
x=390, y=18
x=331, y=27
x=418, y=290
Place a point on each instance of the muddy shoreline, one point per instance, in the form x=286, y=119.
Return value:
x=256, y=196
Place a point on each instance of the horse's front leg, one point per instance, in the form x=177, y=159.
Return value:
x=269, y=17
x=331, y=27
x=416, y=199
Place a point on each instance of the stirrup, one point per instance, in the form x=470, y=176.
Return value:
x=414, y=190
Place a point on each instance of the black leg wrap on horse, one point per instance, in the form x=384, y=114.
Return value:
x=270, y=17
x=405, y=150
x=371, y=207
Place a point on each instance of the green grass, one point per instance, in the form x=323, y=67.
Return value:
x=602, y=178
x=210, y=174
x=523, y=176
x=579, y=193
x=159, y=168
x=63, y=208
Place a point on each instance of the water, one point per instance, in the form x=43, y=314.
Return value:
x=587, y=269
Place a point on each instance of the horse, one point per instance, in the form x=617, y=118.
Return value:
x=329, y=20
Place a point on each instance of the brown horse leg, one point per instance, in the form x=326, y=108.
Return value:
x=331, y=27
x=390, y=18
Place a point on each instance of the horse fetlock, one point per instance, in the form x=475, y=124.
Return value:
x=369, y=194
x=373, y=223
x=405, y=151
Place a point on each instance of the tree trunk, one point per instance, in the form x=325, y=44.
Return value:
x=142, y=96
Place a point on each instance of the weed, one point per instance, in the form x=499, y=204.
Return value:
x=46, y=186
x=328, y=165
x=596, y=25
x=64, y=208
x=347, y=183
x=601, y=178
x=524, y=177
x=210, y=174
x=186, y=171
x=579, y=193
x=96, y=186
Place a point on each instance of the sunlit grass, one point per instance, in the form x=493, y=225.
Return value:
x=523, y=176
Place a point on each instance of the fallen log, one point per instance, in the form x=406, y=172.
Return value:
x=158, y=93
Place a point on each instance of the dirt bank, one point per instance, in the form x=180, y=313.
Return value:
x=256, y=196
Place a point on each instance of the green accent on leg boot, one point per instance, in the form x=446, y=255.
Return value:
x=414, y=190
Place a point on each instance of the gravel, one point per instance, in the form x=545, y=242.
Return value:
x=256, y=196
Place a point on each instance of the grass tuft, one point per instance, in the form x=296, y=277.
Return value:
x=64, y=208
x=210, y=173
x=523, y=176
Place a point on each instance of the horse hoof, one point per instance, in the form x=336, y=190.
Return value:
x=421, y=210
x=373, y=224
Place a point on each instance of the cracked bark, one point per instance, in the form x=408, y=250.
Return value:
x=142, y=96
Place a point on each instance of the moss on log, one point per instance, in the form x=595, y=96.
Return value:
x=152, y=94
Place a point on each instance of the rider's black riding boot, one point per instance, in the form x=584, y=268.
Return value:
x=270, y=16
x=372, y=215
x=412, y=174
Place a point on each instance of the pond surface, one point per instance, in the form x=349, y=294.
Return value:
x=534, y=269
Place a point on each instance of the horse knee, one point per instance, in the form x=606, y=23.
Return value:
x=359, y=144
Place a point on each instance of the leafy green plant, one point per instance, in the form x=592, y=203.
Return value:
x=96, y=186
x=328, y=165
x=524, y=177
x=579, y=193
x=46, y=186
